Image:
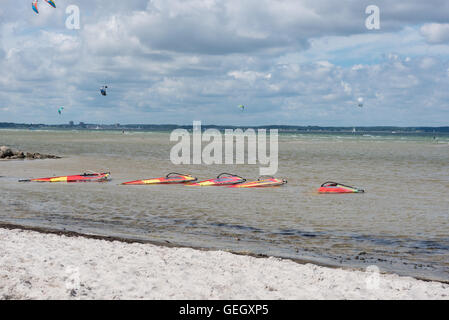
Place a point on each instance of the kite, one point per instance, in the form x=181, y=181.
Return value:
x=35, y=3
x=360, y=102
x=103, y=90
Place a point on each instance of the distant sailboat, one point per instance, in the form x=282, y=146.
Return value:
x=353, y=130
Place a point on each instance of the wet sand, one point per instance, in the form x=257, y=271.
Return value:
x=37, y=265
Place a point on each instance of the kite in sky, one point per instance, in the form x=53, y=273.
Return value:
x=35, y=3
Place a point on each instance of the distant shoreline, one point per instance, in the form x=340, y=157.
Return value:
x=282, y=128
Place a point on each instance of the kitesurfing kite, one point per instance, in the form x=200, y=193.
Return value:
x=103, y=90
x=60, y=110
x=35, y=3
x=34, y=6
x=51, y=2
x=242, y=107
x=360, y=102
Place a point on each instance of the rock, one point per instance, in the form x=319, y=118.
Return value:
x=10, y=154
x=5, y=152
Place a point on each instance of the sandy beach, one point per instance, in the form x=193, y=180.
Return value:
x=36, y=265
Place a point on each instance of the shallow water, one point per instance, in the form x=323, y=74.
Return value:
x=400, y=224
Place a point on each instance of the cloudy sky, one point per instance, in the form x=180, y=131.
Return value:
x=297, y=62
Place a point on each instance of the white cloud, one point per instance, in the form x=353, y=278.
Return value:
x=249, y=75
x=346, y=87
x=177, y=60
x=428, y=62
x=436, y=32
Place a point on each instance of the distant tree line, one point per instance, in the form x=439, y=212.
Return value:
x=170, y=127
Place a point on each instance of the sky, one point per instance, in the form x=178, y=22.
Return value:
x=291, y=62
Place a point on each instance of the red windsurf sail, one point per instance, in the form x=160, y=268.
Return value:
x=223, y=179
x=261, y=183
x=86, y=177
x=334, y=187
x=171, y=178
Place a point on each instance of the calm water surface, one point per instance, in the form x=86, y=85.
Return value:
x=400, y=224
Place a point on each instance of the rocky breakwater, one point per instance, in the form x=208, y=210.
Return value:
x=7, y=153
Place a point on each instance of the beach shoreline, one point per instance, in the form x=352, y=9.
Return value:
x=168, y=244
x=51, y=264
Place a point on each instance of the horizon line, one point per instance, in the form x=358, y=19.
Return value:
x=2, y=124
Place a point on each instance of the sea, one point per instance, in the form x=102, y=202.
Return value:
x=400, y=224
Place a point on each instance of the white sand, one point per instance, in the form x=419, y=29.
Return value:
x=46, y=266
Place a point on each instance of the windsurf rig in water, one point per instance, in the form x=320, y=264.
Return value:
x=335, y=187
x=85, y=177
x=171, y=178
x=223, y=179
x=262, y=182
